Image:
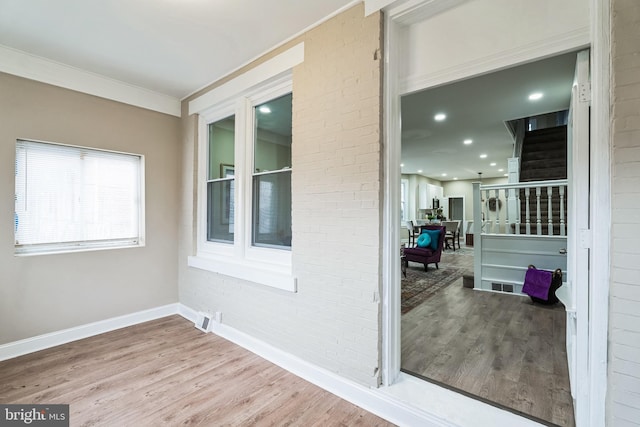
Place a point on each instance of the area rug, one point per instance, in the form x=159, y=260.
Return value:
x=420, y=285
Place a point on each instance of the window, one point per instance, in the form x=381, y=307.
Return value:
x=220, y=180
x=404, y=197
x=71, y=198
x=271, y=220
x=244, y=221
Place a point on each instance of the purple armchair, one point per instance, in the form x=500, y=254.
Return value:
x=427, y=255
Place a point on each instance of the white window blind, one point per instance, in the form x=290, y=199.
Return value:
x=73, y=198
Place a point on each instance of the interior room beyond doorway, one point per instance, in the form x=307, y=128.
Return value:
x=499, y=348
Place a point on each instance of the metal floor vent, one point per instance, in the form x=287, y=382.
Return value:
x=203, y=322
x=502, y=287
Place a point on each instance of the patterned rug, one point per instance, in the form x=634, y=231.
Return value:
x=420, y=285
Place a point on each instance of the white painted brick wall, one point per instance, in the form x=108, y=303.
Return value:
x=624, y=318
x=333, y=320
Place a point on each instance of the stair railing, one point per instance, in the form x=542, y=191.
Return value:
x=504, y=211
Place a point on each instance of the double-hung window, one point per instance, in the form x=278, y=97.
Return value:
x=70, y=198
x=271, y=176
x=244, y=221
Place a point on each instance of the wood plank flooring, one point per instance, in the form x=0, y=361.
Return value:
x=166, y=372
x=498, y=347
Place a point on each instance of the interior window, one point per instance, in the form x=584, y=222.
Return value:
x=72, y=198
x=221, y=180
x=271, y=223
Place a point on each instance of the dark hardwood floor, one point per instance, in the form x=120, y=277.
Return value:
x=166, y=372
x=498, y=347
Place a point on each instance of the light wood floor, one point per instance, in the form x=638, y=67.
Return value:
x=166, y=372
x=498, y=347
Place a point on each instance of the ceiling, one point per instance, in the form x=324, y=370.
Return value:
x=476, y=109
x=173, y=47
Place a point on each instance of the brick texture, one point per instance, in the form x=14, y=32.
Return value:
x=334, y=319
x=624, y=330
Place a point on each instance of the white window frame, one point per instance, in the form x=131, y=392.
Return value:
x=93, y=245
x=241, y=259
x=404, y=199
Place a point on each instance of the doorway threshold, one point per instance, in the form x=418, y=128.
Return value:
x=452, y=407
x=539, y=421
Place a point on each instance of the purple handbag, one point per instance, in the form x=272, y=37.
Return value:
x=541, y=285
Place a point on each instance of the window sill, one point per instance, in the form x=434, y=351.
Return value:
x=56, y=249
x=274, y=276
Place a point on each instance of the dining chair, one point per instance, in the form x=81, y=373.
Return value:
x=452, y=234
x=412, y=234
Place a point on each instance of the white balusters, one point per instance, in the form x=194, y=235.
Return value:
x=519, y=208
x=538, y=214
x=549, y=211
x=563, y=231
x=487, y=217
x=496, y=205
x=528, y=216
x=517, y=214
x=507, y=225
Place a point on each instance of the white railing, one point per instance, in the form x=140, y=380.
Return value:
x=529, y=208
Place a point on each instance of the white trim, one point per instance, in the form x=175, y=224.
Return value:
x=412, y=11
x=43, y=70
x=251, y=271
x=41, y=342
x=372, y=6
x=600, y=260
x=577, y=254
x=391, y=345
x=273, y=67
x=534, y=51
x=388, y=402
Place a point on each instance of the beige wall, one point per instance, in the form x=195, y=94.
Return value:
x=464, y=187
x=334, y=319
x=623, y=390
x=45, y=293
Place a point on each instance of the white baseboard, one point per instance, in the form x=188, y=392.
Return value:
x=41, y=342
x=187, y=313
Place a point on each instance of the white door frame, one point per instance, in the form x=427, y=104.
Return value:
x=401, y=13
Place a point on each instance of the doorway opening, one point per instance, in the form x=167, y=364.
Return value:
x=491, y=345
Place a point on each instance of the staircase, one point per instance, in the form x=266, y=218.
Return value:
x=544, y=158
x=544, y=154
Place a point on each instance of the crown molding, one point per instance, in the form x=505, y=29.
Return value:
x=43, y=70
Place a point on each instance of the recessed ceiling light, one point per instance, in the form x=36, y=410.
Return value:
x=264, y=109
x=492, y=164
x=506, y=174
x=401, y=165
x=455, y=178
x=419, y=170
x=439, y=117
x=535, y=96
x=483, y=156
x=500, y=170
x=468, y=141
x=444, y=174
